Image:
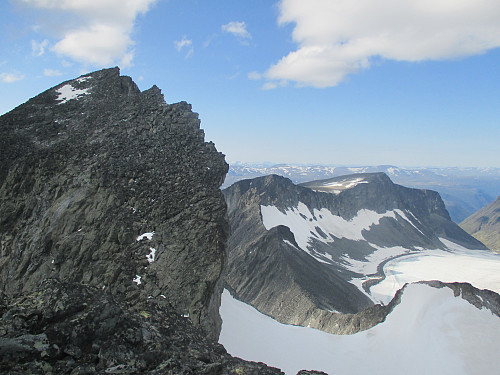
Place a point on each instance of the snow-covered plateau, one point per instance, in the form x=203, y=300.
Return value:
x=430, y=332
x=477, y=267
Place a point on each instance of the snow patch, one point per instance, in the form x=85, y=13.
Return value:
x=151, y=256
x=82, y=79
x=137, y=280
x=147, y=235
x=369, y=266
x=68, y=92
x=304, y=224
x=345, y=184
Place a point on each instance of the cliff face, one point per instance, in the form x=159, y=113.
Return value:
x=308, y=254
x=107, y=186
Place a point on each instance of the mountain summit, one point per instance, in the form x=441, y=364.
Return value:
x=113, y=234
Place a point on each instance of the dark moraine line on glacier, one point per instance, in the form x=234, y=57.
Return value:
x=379, y=276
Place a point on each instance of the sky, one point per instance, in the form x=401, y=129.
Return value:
x=333, y=82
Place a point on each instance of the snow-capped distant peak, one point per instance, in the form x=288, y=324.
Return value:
x=344, y=184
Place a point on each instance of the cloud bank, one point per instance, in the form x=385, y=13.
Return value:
x=340, y=37
x=101, y=35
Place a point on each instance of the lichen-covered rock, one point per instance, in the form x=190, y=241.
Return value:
x=108, y=186
x=70, y=328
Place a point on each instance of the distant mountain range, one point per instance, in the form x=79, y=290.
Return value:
x=463, y=190
x=485, y=225
x=310, y=254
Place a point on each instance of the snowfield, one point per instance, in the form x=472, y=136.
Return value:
x=304, y=224
x=429, y=332
x=477, y=267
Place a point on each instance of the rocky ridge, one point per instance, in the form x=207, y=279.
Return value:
x=113, y=235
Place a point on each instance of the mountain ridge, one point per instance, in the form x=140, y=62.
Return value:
x=464, y=190
x=485, y=225
x=287, y=259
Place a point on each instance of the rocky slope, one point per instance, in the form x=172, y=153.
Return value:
x=485, y=225
x=113, y=234
x=307, y=255
x=71, y=328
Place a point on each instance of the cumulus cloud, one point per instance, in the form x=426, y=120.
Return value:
x=186, y=45
x=336, y=38
x=11, y=77
x=238, y=29
x=97, y=32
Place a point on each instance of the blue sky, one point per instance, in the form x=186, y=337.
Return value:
x=341, y=82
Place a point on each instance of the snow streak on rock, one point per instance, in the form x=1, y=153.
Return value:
x=322, y=224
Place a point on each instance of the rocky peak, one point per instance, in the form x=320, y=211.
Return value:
x=108, y=186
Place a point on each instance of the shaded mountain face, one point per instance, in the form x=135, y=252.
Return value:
x=302, y=253
x=485, y=225
x=108, y=186
x=463, y=190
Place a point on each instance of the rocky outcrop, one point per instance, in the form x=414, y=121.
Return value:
x=70, y=328
x=113, y=235
x=295, y=250
x=104, y=185
x=485, y=225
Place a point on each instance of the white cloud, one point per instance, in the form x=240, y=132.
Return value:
x=51, y=72
x=11, y=77
x=254, y=75
x=340, y=37
x=96, y=32
x=186, y=45
x=38, y=48
x=238, y=29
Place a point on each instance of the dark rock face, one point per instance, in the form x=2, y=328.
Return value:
x=70, y=328
x=82, y=178
x=268, y=269
x=113, y=235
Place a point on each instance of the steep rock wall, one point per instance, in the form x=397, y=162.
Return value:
x=89, y=166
